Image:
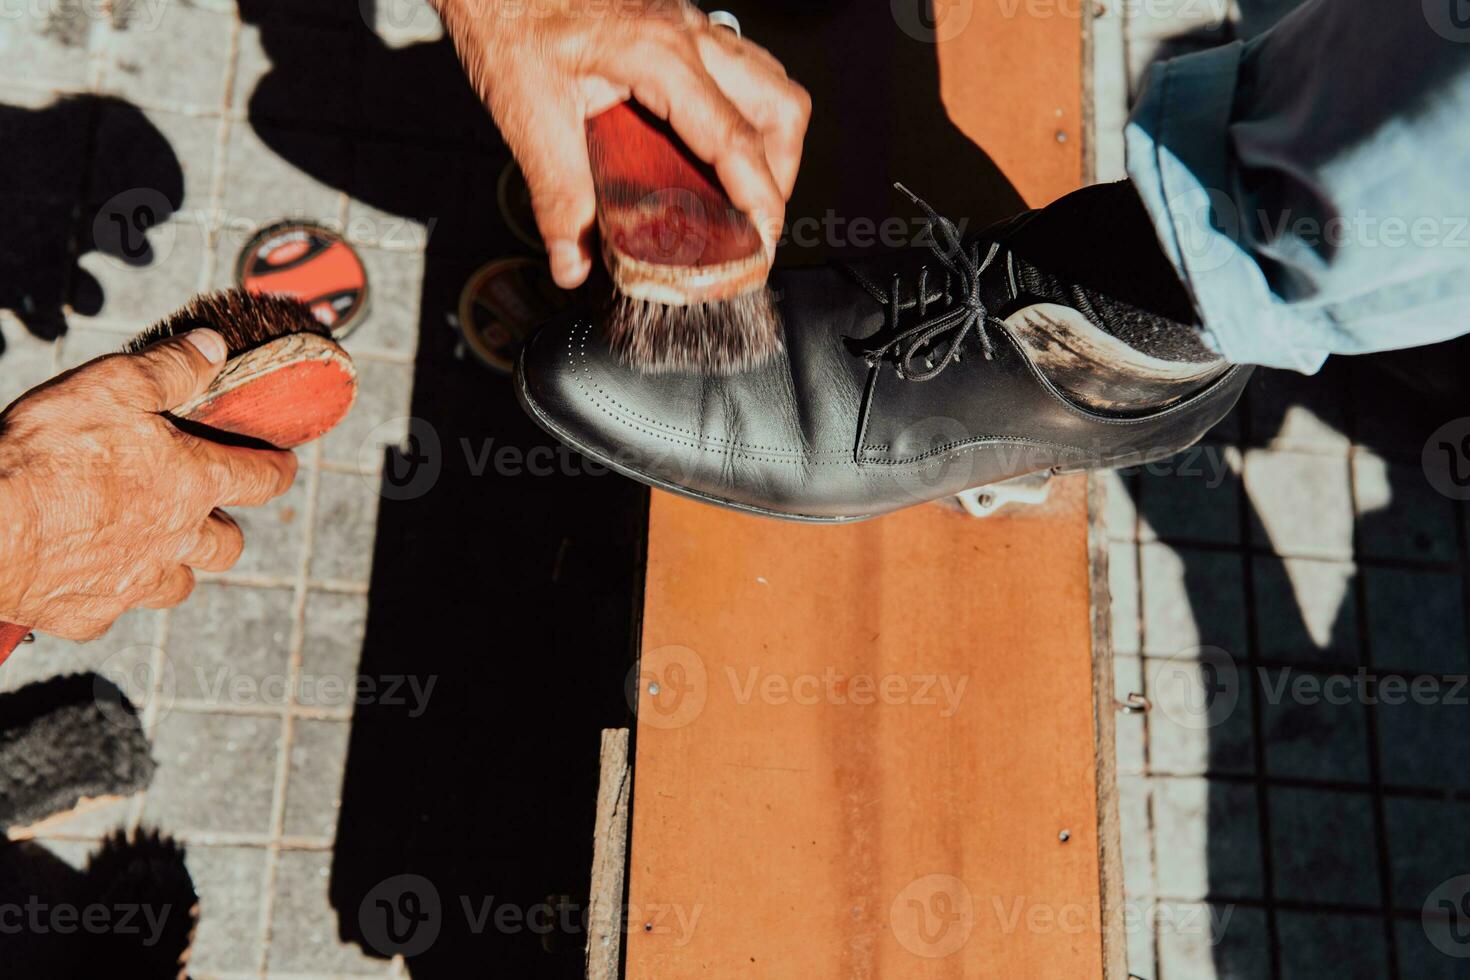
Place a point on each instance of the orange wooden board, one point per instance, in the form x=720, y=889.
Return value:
x=858, y=748
x=864, y=747
x=1012, y=82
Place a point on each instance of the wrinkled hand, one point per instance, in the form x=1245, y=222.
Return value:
x=544, y=67
x=105, y=504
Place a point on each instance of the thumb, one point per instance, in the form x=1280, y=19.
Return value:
x=559, y=177
x=180, y=367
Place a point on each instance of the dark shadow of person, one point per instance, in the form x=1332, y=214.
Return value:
x=85, y=173
x=1277, y=753
x=1345, y=758
x=133, y=907
x=505, y=571
x=519, y=589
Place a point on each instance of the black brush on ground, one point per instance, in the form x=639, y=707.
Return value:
x=66, y=740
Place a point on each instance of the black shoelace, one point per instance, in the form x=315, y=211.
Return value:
x=957, y=318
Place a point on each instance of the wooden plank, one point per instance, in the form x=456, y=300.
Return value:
x=778, y=823
x=1105, y=706
x=1012, y=82
x=609, y=858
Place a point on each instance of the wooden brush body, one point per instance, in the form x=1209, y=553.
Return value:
x=669, y=233
x=689, y=267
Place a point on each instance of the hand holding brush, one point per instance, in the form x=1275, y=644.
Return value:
x=688, y=267
x=710, y=152
x=112, y=475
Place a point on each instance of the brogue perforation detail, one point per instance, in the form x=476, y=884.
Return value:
x=624, y=415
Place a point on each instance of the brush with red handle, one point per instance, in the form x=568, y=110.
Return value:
x=689, y=268
x=285, y=383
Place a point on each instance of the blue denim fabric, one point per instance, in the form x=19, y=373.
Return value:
x=1312, y=185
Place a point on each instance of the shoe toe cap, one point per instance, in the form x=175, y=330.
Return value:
x=730, y=439
x=579, y=390
x=552, y=377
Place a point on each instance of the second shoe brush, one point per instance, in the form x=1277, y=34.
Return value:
x=286, y=381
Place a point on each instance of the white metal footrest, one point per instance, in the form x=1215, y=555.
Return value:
x=984, y=501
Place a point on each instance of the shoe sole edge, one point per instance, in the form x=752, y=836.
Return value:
x=528, y=403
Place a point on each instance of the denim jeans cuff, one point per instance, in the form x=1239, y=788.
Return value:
x=1178, y=159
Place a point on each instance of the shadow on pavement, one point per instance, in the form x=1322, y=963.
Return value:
x=1287, y=757
x=86, y=169
x=519, y=594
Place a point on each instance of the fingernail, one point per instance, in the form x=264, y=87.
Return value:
x=567, y=265
x=208, y=343
x=769, y=230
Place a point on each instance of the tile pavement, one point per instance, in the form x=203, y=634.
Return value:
x=1312, y=823
x=245, y=690
x=1319, y=809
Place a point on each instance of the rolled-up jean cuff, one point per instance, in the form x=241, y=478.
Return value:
x=1178, y=159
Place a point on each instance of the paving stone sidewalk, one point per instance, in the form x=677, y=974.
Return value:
x=246, y=689
x=1281, y=818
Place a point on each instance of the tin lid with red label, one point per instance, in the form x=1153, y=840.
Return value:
x=514, y=198
x=312, y=264
x=502, y=303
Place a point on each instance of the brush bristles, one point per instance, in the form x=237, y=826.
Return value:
x=723, y=337
x=245, y=320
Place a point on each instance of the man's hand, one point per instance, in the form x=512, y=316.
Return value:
x=105, y=504
x=544, y=67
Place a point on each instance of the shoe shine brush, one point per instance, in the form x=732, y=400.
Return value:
x=285, y=383
x=689, y=269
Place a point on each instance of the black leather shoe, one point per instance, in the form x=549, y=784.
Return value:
x=906, y=377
